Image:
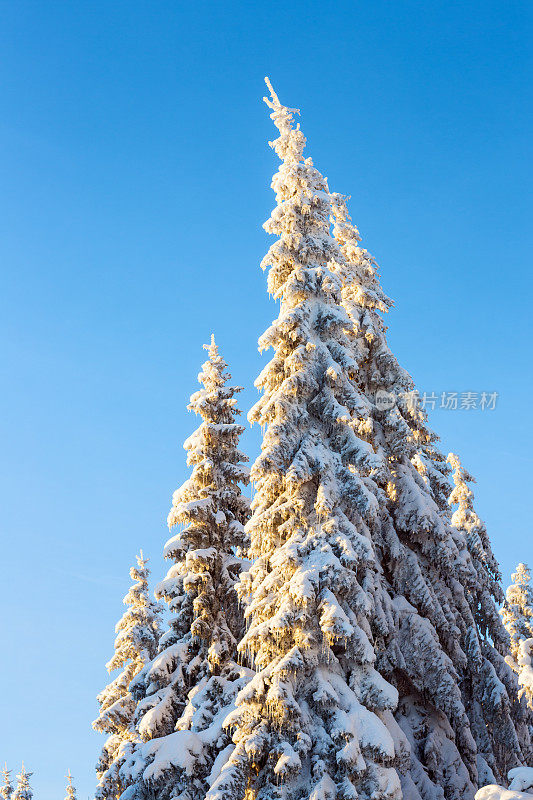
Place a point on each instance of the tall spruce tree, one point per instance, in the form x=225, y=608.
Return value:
x=23, y=789
x=135, y=645
x=189, y=687
x=6, y=790
x=427, y=567
x=315, y=722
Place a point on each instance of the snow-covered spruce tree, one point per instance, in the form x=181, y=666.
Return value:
x=71, y=789
x=517, y=614
x=487, y=590
x=23, y=789
x=517, y=611
x=135, y=645
x=189, y=688
x=426, y=564
x=313, y=722
x=493, y=709
x=413, y=543
x=6, y=790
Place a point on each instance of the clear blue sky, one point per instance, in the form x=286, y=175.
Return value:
x=135, y=177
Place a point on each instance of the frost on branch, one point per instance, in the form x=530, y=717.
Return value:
x=135, y=645
x=187, y=690
x=315, y=720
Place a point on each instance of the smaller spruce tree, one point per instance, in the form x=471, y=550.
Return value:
x=6, y=790
x=517, y=611
x=497, y=721
x=135, y=645
x=23, y=790
x=486, y=589
x=517, y=614
x=71, y=789
x=186, y=692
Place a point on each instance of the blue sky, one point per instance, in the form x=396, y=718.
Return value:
x=135, y=180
